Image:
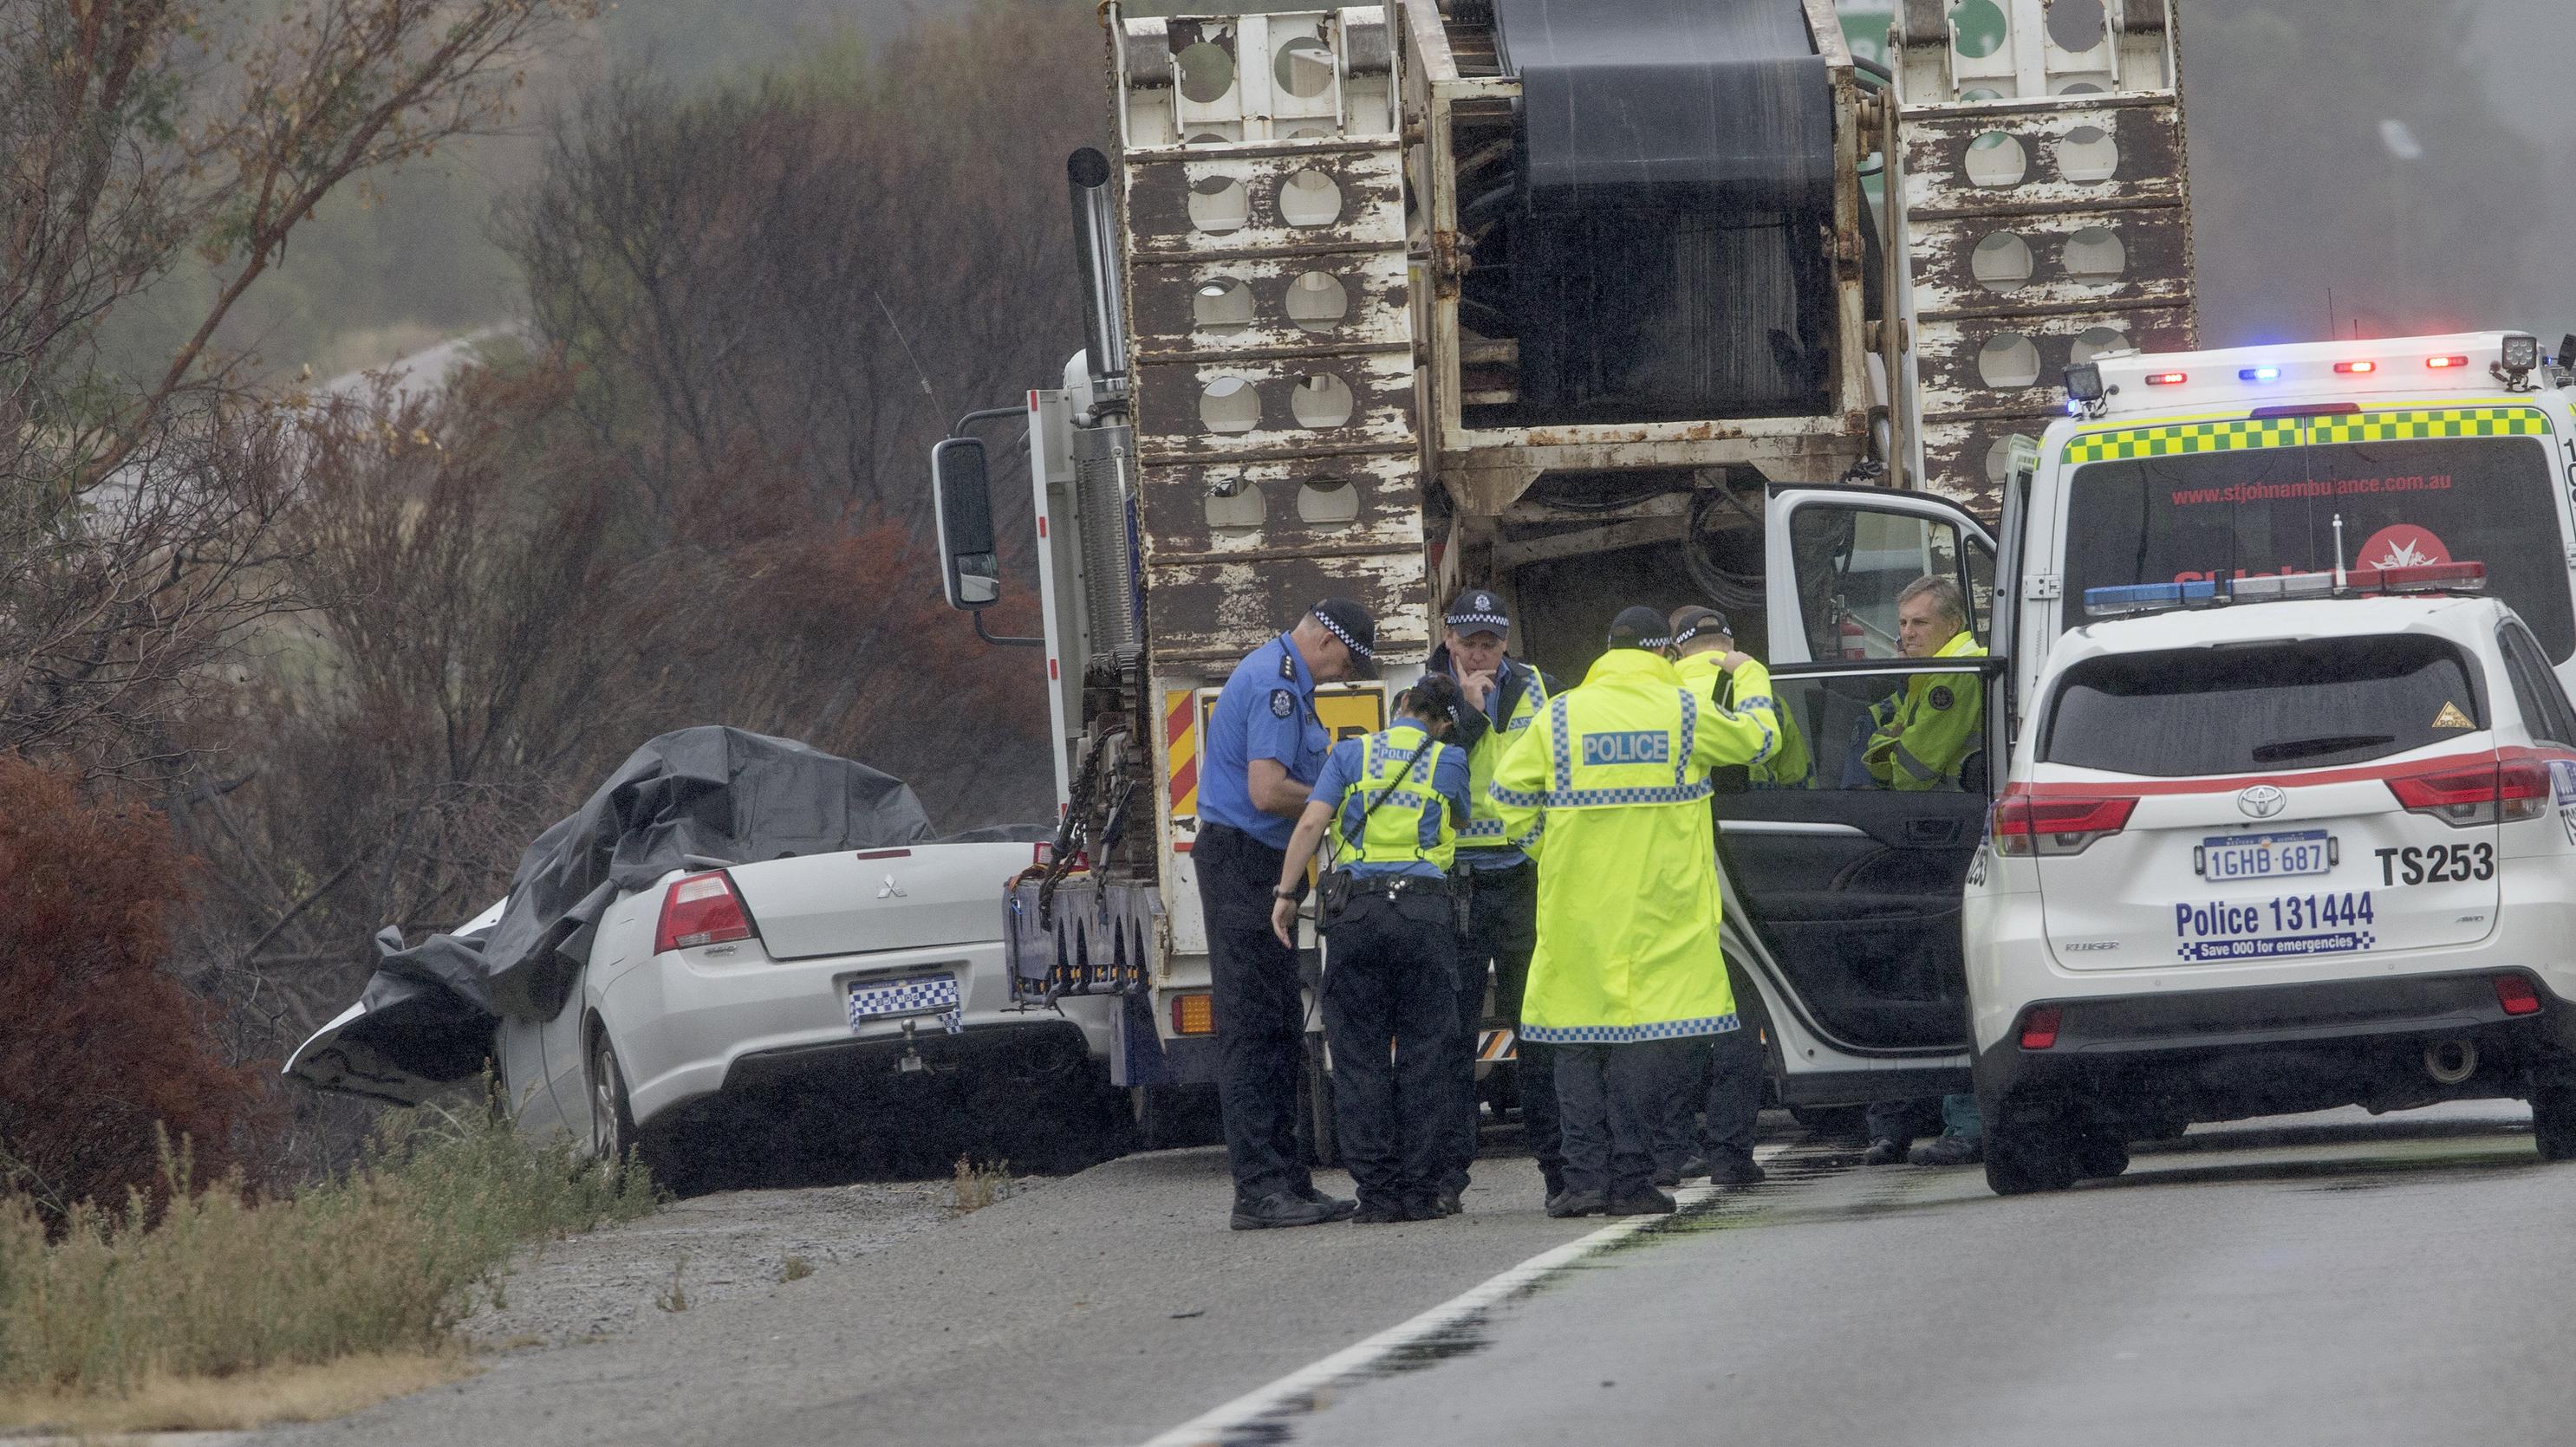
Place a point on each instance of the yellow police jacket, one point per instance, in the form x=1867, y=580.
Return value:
x=1609, y=791
x=1484, y=827
x=1927, y=732
x=1790, y=764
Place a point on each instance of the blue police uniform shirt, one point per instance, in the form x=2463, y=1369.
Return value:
x=1448, y=778
x=1265, y=711
x=1499, y=856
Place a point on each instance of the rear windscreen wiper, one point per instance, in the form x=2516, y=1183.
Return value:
x=2329, y=744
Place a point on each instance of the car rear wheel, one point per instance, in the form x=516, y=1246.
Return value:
x=2553, y=1119
x=612, y=1119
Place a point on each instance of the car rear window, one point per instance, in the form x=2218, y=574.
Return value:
x=2263, y=706
x=2274, y=509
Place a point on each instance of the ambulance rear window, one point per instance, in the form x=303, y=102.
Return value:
x=2262, y=707
x=2202, y=515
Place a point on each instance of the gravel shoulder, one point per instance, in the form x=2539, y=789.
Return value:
x=1100, y=1308
x=698, y=1252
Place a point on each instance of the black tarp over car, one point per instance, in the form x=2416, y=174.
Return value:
x=689, y=796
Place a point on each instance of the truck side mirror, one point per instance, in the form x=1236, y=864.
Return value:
x=963, y=494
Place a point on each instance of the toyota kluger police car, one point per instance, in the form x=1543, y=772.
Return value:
x=2299, y=843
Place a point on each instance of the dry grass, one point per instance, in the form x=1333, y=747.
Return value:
x=794, y=1268
x=976, y=1187
x=247, y=1399
x=373, y=1266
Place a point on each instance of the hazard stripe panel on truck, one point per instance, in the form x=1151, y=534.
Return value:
x=1347, y=711
x=2405, y=425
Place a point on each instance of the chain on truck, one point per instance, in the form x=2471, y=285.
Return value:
x=1367, y=316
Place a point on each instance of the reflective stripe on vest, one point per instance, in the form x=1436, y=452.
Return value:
x=1484, y=826
x=1411, y=820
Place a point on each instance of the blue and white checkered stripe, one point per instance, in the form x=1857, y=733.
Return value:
x=1770, y=740
x=921, y=995
x=1482, y=828
x=1690, y=737
x=1629, y=1034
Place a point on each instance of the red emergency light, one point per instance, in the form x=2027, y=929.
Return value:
x=2443, y=364
x=2356, y=369
x=2167, y=379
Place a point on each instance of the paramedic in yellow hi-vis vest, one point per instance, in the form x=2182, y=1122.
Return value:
x=1393, y=802
x=1924, y=738
x=1609, y=791
x=1926, y=733
x=1502, y=696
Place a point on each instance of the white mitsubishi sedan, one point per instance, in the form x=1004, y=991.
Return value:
x=2306, y=842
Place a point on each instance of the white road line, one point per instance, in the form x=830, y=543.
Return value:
x=1303, y=1390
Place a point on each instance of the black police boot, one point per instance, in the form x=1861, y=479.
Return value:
x=1373, y=1213
x=1649, y=1202
x=1565, y=1204
x=1336, y=1208
x=1692, y=1169
x=1729, y=1169
x=1447, y=1203
x=1554, y=1179
x=1884, y=1151
x=1279, y=1208
x=1668, y=1176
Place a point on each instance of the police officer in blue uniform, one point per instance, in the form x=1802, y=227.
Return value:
x=1393, y=803
x=1264, y=750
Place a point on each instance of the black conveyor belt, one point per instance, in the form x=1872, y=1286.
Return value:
x=1674, y=207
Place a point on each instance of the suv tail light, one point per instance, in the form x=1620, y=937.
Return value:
x=701, y=910
x=2027, y=824
x=2483, y=793
x=2516, y=995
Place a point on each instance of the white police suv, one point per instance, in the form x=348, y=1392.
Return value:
x=2281, y=844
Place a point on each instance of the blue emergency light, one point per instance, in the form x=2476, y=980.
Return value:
x=2259, y=374
x=2146, y=597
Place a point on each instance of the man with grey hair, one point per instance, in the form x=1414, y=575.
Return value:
x=1924, y=738
x=1926, y=734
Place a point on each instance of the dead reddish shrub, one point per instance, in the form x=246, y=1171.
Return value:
x=98, y=1046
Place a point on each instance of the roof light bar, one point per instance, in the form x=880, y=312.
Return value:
x=2259, y=374
x=2443, y=364
x=2435, y=578
x=2269, y=587
x=2167, y=379
x=2145, y=597
x=2355, y=369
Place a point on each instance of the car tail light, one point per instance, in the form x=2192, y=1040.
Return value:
x=2516, y=995
x=1193, y=1014
x=2039, y=1027
x=701, y=910
x=2027, y=824
x=2481, y=794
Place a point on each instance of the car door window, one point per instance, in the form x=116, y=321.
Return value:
x=1853, y=563
x=2545, y=710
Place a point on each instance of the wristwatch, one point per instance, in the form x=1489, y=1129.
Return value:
x=1278, y=893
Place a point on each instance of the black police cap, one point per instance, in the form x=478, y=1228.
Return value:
x=1638, y=628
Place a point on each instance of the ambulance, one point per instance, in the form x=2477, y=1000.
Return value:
x=2172, y=478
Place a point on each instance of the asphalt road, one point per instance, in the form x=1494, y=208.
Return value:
x=2332, y=1279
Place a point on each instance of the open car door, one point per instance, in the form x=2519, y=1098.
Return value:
x=1844, y=883
x=350, y=1054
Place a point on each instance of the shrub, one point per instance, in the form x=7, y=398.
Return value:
x=99, y=1047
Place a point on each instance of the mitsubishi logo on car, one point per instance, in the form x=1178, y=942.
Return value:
x=2261, y=801
x=893, y=890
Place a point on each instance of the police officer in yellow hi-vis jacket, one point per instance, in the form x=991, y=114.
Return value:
x=1609, y=790
x=1502, y=696
x=1393, y=801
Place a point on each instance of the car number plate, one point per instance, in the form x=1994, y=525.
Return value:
x=2264, y=856
x=918, y=995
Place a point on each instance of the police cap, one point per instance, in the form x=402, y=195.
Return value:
x=1357, y=629
x=1478, y=610
x=1639, y=628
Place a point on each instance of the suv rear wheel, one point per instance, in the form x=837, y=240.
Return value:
x=2028, y=1155
x=2553, y=1118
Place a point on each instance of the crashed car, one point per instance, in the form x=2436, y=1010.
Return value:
x=729, y=915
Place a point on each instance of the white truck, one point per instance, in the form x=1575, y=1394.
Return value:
x=1375, y=311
